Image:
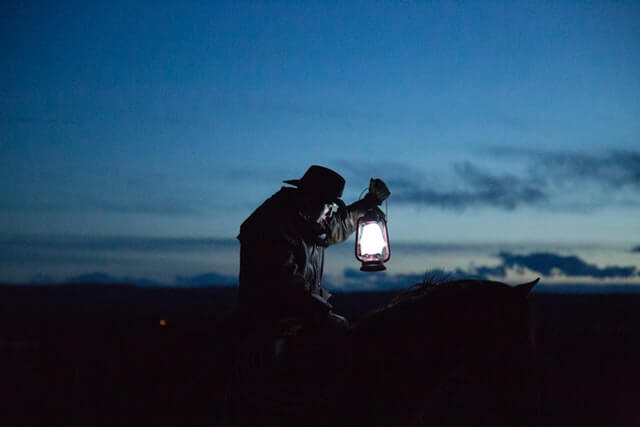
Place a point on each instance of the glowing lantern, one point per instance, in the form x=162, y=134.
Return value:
x=372, y=241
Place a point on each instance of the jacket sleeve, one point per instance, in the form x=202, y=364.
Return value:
x=341, y=229
x=295, y=289
x=271, y=261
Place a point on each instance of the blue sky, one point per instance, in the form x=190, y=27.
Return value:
x=500, y=127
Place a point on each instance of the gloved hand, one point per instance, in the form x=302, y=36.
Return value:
x=335, y=324
x=337, y=319
x=378, y=191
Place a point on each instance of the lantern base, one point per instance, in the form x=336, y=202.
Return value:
x=372, y=266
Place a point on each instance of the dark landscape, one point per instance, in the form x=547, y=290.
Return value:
x=94, y=355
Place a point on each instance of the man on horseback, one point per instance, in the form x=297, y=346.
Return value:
x=282, y=247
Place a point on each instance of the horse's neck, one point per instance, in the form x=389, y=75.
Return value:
x=398, y=370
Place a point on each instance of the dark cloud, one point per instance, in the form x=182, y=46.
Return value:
x=547, y=264
x=10, y=243
x=575, y=182
x=357, y=280
x=550, y=264
x=581, y=181
x=636, y=249
x=543, y=263
x=613, y=169
x=477, y=188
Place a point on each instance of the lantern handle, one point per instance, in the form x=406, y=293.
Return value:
x=384, y=214
x=362, y=192
x=386, y=210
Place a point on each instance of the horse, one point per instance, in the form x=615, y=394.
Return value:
x=439, y=354
x=455, y=353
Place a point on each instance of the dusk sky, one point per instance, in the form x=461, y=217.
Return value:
x=135, y=137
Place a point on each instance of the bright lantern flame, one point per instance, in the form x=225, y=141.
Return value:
x=372, y=241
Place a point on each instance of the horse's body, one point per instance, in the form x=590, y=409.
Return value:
x=448, y=354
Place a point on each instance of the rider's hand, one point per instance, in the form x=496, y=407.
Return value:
x=337, y=321
x=378, y=191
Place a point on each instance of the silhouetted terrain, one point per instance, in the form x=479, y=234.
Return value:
x=121, y=355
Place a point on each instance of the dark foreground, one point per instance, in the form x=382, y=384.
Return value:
x=86, y=355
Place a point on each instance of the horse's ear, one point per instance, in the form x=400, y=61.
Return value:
x=524, y=289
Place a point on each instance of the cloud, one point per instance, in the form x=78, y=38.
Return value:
x=543, y=263
x=70, y=254
x=550, y=264
x=636, y=249
x=10, y=243
x=612, y=169
x=165, y=207
x=101, y=278
x=581, y=181
x=479, y=188
x=575, y=182
x=355, y=280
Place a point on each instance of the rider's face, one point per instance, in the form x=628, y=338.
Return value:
x=317, y=210
x=327, y=208
x=321, y=211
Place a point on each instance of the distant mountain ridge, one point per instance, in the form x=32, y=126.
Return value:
x=382, y=283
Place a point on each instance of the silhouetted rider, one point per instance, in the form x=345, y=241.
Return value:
x=282, y=246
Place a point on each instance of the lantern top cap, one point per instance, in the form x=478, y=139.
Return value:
x=320, y=182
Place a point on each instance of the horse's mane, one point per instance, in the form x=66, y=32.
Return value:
x=438, y=286
x=430, y=282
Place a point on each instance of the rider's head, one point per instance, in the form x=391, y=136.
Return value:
x=320, y=188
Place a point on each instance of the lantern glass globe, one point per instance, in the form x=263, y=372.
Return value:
x=372, y=241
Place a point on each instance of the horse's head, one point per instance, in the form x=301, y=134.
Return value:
x=455, y=317
x=477, y=331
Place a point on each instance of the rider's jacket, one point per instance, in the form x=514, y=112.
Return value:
x=282, y=256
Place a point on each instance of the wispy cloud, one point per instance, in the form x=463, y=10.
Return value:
x=9, y=243
x=102, y=278
x=546, y=180
x=82, y=189
x=163, y=258
x=479, y=188
x=612, y=169
x=548, y=265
